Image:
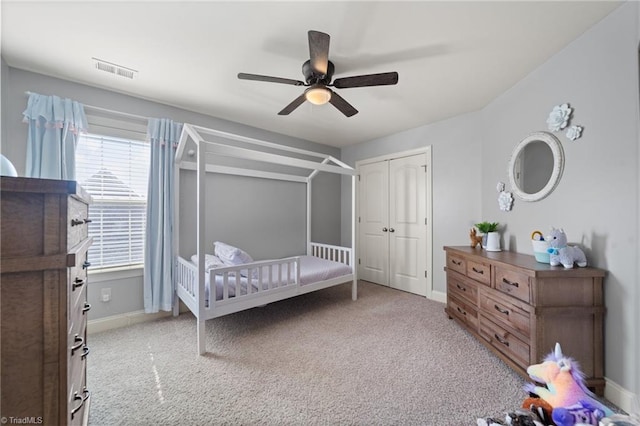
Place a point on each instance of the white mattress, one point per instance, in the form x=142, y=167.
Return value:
x=312, y=270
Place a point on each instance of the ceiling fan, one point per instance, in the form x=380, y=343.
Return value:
x=318, y=72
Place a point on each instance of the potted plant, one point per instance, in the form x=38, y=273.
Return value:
x=485, y=228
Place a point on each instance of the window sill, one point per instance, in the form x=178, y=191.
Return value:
x=110, y=274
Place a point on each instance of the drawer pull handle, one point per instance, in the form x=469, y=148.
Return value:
x=501, y=340
x=76, y=222
x=86, y=264
x=502, y=311
x=460, y=287
x=85, y=352
x=86, y=308
x=455, y=262
x=79, y=343
x=507, y=282
x=478, y=271
x=77, y=283
x=461, y=311
x=82, y=399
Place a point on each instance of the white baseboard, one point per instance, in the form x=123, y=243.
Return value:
x=620, y=396
x=122, y=320
x=439, y=296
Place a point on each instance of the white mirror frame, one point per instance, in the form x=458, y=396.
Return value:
x=558, y=165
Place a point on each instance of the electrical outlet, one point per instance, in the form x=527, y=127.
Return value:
x=106, y=294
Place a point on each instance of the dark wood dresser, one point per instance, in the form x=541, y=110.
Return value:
x=520, y=308
x=43, y=303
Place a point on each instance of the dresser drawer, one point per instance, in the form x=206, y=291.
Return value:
x=77, y=221
x=504, y=312
x=505, y=342
x=512, y=283
x=77, y=354
x=77, y=284
x=479, y=271
x=78, y=400
x=462, y=289
x=456, y=263
x=463, y=312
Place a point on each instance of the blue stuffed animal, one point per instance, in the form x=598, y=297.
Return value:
x=560, y=253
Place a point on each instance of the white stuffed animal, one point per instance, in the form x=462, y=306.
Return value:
x=560, y=253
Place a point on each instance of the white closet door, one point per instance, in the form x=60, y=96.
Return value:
x=374, y=222
x=407, y=227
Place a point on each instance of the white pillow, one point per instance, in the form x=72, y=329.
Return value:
x=210, y=261
x=231, y=255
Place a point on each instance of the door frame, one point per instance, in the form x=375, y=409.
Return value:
x=428, y=200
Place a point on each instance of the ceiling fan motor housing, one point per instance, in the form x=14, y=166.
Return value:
x=311, y=77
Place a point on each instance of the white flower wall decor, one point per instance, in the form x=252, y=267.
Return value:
x=574, y=132
x=559, y=118
x=505, y=199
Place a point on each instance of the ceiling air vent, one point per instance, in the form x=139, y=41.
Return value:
x=115, y=69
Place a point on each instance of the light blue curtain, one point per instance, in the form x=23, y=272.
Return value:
x=163, y=135
x=54, y=124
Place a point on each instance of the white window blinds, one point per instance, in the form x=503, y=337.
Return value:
x=115, y=172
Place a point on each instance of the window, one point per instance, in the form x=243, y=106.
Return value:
x=115, y=172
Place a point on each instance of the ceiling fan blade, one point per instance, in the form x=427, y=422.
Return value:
x=383, y=79
x=343, y=106
x=256, y=77
x=319, y=51
x=293, y=105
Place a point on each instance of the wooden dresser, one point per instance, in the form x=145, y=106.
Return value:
x=520, y=308
x=43, y=303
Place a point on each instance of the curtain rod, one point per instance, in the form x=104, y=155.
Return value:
x=109, y=111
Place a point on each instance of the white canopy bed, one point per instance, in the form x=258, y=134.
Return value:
x=211, y=290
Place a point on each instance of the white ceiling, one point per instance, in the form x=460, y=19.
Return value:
x=452, y=57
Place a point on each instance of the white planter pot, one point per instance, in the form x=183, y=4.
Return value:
x=493, y=241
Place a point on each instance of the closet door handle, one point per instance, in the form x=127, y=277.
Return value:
x=384, y=229
x=392, y=230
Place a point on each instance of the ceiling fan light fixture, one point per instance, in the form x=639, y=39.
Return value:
x=318, y=95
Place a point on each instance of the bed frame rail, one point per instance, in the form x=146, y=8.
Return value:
x=334, y=253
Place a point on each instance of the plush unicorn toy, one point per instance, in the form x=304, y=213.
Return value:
x=579, y=414
x=564, y=382
x=561, y=253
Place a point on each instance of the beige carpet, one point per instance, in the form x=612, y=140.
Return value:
x=322, y=359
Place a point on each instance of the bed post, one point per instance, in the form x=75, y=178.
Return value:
x=200, y=238
x=309, y=180
x=176, y=222
x=354, y=263
x=202, y=338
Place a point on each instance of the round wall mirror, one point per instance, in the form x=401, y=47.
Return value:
x=536, y=166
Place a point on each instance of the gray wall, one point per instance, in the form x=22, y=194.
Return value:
x=637, y=310
x=237, y=226
x=598, y=198
x=4, y=71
